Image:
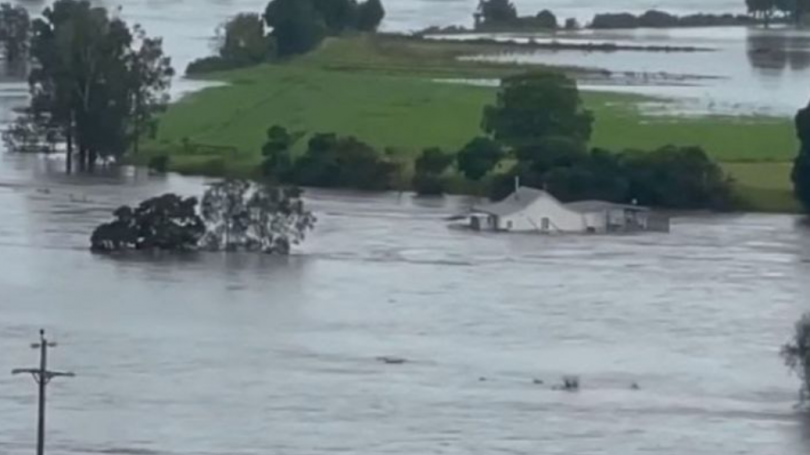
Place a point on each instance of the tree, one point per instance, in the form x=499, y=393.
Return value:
x=241, y=216
x=242, y=40
x=297, y=26
x=167, y=222
x=478, y=157
x=343, y=162
x=536, y=105
x=428, y=170
x=677, y=177
x=495, y=12
x=97, y=81
x=370, y=15
x=338, y=15
x=801, y=165
x=15, y=31
x=796, y=354
x=762, y=9
x=277, y=152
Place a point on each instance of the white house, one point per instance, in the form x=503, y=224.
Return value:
x=533, y=210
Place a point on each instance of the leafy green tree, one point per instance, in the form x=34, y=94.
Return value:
x=242, y=40
x=677, y=177
x=15, y=31
x=801, y=165
x=429, y=168
x=478, y=157
x=167, y=222
x=495, y=12
x=277, y=152
x=242, y=216
x=95, y=80
x=370, y=15
x=338, y=15
x=297, y=26
x=433, y=160
x=796, y=354
x=535, y=105
x=344, y=162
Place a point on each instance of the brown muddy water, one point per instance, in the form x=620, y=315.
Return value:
x=245, y=355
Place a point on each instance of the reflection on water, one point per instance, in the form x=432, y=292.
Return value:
x=778, y=51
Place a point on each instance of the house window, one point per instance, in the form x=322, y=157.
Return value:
x=545, y=224
x=509, y=225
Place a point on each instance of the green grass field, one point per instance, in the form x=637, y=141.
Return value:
x=385, y=92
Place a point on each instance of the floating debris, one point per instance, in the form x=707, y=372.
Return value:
x=391, y=360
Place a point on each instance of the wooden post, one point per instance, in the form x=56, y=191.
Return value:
x=42, y=376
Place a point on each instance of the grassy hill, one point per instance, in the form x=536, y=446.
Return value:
x=405, y=95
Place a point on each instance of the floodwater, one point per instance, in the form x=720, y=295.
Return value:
x=241, y=354
x=747, y=71
x=247, y=355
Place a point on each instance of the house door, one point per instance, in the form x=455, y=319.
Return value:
x=545, y=224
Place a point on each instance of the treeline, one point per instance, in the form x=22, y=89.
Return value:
x=539, y=128
x=767, y=10
x=494, y=15
x=96, y=83
x=296, y=27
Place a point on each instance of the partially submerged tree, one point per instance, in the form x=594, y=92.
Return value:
x=96, y=80
x=241, y=216
x=15, y=32
x=234, y=215
x=796, y=354
x=167, y=222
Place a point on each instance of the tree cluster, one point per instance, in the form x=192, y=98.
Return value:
x=15, y=31
x=494, y=14
x=540, y=123
x=96, y=84
x=286, y=28
x=766, y=10
x=240, y=41
x=298, y=26
x=329, y=161
x=233, y=215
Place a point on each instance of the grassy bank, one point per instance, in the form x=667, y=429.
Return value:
x=385, y=91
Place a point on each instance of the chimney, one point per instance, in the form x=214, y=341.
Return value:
x=517, y=185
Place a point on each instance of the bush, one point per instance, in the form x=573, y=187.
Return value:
x=428, y=184
x=571, y=24
x=343, y=162
x=159, y=163
x=210, y=64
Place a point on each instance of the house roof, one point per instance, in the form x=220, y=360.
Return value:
x=515, y=202
x=601, y=206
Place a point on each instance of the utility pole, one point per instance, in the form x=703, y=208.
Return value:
x=42, y=377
